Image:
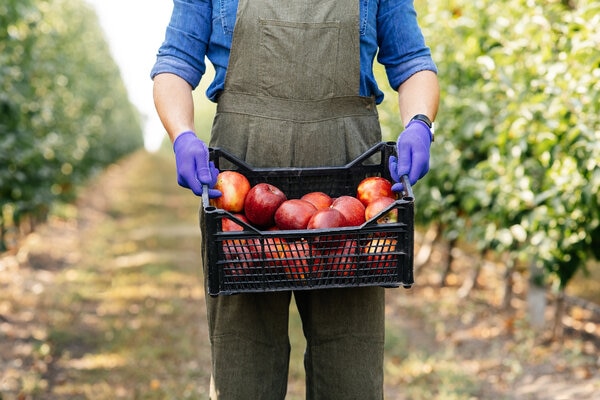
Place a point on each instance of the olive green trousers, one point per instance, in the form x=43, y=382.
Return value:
x=344, y=330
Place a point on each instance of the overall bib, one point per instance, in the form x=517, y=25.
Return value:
x=291, y=99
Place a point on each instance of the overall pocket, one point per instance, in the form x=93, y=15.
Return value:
x=298, y=60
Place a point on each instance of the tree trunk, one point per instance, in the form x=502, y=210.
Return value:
x=508, y=282
x=536, y=297
x=426, y=248
x=449, y=261
x=557, y=329
x=471, y=282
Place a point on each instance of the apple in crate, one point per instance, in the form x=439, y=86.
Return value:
x=380, y=254
x=275, y=251
x=297, y=255
x=294, y=214
x=234, y=187
x=339, y=260
x=372, y=188
x=239, y=257
x=377, y=206
x=352, y=209
x=320, y=200
x=262, y=201
x=325, y=219
x=229, y=225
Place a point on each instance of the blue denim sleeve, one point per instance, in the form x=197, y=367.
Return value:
x=186, y=40
x=402, y=48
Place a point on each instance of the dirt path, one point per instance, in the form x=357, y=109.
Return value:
x=105, y=302
x=108, y=303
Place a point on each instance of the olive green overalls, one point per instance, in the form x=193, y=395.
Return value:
x=291, y=99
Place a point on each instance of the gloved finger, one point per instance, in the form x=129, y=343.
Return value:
x=419, y=167
x=195, y=185
x=214, y=174
x=203, y=170
x=404, y=161
x=214, y=193
x=398, y=187
x=393, y=167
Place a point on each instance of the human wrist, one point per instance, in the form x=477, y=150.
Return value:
x=183, y=136
x=423, y=121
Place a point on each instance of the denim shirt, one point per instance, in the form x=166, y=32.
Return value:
x=201, y=29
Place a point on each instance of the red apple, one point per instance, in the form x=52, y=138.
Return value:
x=319, y=199
x=297, y=256
x=352, y=209
x=262, y=200
x=323, y=219
x=256, y=248
x=373, y=187
x=381, y=257
x=239, y=256
x=275, y=250
x=266, y=248
x=327, y=218
x=273, y=247
x=229, y=225
x=377, y=206
x=234, y=187
x=294, y=214
x=339, y=260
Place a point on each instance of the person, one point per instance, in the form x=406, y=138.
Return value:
x=294, y=87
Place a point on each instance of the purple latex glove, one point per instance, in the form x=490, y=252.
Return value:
x=413, y=154
x=193, y=166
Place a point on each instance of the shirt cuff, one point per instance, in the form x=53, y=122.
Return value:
x=400, y=73
x=177, y=67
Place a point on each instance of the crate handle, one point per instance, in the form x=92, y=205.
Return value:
x=408, y=194
x=205, y=199
x=386, y=147
x=215, y=152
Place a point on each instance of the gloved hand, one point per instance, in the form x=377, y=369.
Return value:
x=413, y=154
x=193, y=166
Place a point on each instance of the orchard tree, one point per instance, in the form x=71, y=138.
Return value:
x=65, y=111
x=515, y=162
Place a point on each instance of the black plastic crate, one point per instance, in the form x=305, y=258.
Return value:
x=254, y=260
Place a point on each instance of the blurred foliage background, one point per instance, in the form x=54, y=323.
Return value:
x=515, y=165
x=64, y=110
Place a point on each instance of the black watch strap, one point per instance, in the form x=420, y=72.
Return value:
x=425, y=119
